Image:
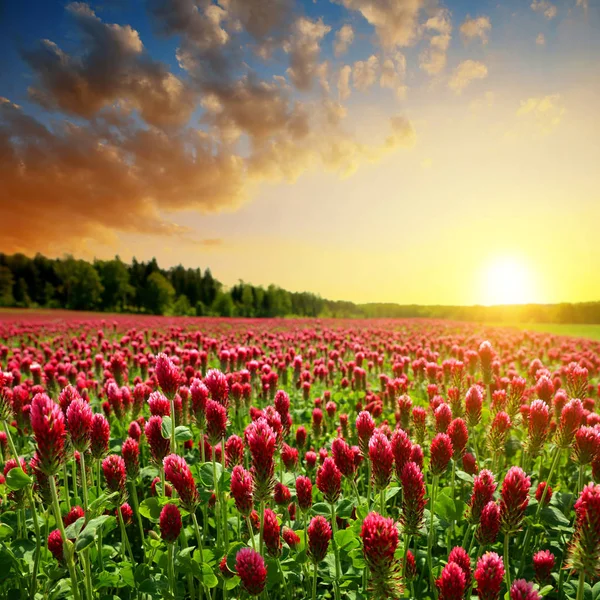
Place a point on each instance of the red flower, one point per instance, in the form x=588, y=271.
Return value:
x=225, y=572
x=48, y=424
x=539, y=419
x=216, y=382
x=543, y=565
x=113, y=467
x=489, y=574
x=413, y=498
x=271, y=533
x=159, y=446
x=319, y=535
x=55, y=545
x=301, y=436
x=79, y=423
x=514, y=499
x=75, y=513
x=167, y=374
x=289, y=456
x=441, y=452
x=459, y=556
x=523, y=590
x=178, y=474
x=168, y=488
x=401, y=449
x=473, y=404
x=443, y=417
x=459, y=435
x=364, y=428
x=311, y=458
x=343, y=457
x=261, y=441
x=587, y=444
x=570, y=421
x=131, y=455
x=304, y=492
x=452, y=582
x=290, y=537
x=234, y=451
x=216, y=421
x=281, y=494
x=584, y=551
x=380, y=540
x=411, y=566
x=159, y=405
x=489, y=524
x=329, y=479
x=382, y=460
x=126, y=513
x=484, y=487
x=250, y=567
x=498, y=431
x=99, y=435
x=199, y=394
x=419, y=416
x=539, y=492
x=241, y=490
x=469, y=463
x=170, y=523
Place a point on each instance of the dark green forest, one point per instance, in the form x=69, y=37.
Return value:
x=144, y=287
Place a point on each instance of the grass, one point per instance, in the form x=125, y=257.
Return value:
x=573, y=330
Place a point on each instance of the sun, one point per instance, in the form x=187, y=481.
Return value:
x=508, y=280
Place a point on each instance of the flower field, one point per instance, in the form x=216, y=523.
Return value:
x=146, y=457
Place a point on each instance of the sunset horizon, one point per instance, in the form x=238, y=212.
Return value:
x=432, y=153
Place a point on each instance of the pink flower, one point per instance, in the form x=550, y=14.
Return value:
x=99, y=435
x=178, y=474
x=543, y=565
x=413, y=498
x=159, y=446
x=170, y=523
x=452, y=582
x=489, y=574
x=584, y=551
x=319, y=536
x=250, y=567
x=48, y=424
x=382, y=460
x=304, y=492
x=329, y=479
x=167, y=374
x=441, y=452
x=523, y=590
x=514, y=499
x=261, y=442
x=79, y=423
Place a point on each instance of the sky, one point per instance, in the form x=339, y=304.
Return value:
x=410, y=151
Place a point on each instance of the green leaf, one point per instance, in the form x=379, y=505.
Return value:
x=233, y=550
x=205, y=474
x=88, y=536
x=321, y=508
x=167, y=427
x=346, y=539
x=391, y=492
x=100, y=503
x=548, y=588
x=232, y=583
x=554, y=517
x=344, y=508
x=150, y=508
x=464, y=476
x=5, y=531
x=210, y=579
x=72, y=531
x=17, y=479
x=126, y=573
x=182, y=434
x=444, y=507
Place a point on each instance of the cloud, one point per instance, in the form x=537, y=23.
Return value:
x=433, y=60
x=343, y=83
x=364, y=73
x=478, y=27
x=487, y=100
x=540, y=40
x=343, y=38
x=112, y=67
x=403, y=133
x=546, y=8
x=467, y=71
x=304, y=50
x=395, y=21
x=393, y=74
x=545, y=111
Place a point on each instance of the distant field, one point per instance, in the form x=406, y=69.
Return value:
x=575, y=330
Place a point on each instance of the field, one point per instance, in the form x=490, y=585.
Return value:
x=277, y=458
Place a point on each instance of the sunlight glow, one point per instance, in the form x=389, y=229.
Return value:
x=507, y=280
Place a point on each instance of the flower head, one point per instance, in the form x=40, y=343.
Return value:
x=99, y=435
x=304, y=492
x=523, y=590
x=514, y=499
x=113, y=467
x=216, y=382
x=167, y=374
x=459, y=435
x=241, y=490
x=473, y=404
x=382, y=460
x=250, y=567
x=329, y=479
x=271, y=533
x=413, y=498
x=290, y=537
x=489, y=524
x=178, y=474
x=365, y=426
x=452, y=582
x=343, y=457
x=79, y=423
x=543, y=565
x=131, y=455
x=55, y=545
x=159, y=446
x=460, y=556
x=584, y=551
x=441, y=452
x=170, y=523
x=216, y=421
x=484, y=487
x=48, y=424
x=380, y=540
x=319, y=536
x=261, y=442
x=489, y=574
x=401, y=449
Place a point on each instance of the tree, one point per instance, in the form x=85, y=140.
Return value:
x=81, y=284
x=6, y=286
x=115, y=279
x=158, y=294
x=182, y=306
x=223, y=305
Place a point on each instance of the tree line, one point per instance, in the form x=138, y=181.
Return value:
x=143, y=287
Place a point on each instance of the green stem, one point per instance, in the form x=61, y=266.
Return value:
x=507, y=562
x=84, y=488
x=218, y=514
x=171, y=569
x=552, y=469
x=404, y=560
x=431, y=536
x=66, y=486
x=250, y=533
x=314, y=585
x=262, y=521
x=125, y=539
x=581, y=586
x=199, y=542
x=136, y=507
x=173, y=442
x=382, y=502
x=67, y=551
x=336, y=553
x=368, y=485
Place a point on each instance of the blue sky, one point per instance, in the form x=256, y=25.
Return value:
x=445, y=139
